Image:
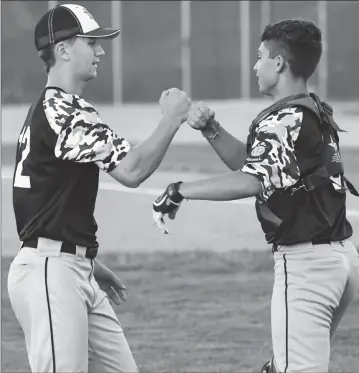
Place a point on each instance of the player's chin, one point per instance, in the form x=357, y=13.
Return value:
x=260, y=85
x=91, y=75
x=263, y=89
x=93, y=72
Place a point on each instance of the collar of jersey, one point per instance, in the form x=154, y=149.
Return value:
x=53, y=87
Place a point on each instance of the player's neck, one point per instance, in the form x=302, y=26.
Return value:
x=286, y=90
x=66, y=83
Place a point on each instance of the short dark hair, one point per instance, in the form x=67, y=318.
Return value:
x=47, y=55
x=299, y=42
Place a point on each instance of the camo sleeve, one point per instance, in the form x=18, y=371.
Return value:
x=81, y=135
x=271, y=157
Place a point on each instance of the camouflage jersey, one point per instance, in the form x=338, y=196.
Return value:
x=61, y=148
x=286, y=145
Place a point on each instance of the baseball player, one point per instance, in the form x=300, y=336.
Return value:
x=58, y=290
x=291, y=164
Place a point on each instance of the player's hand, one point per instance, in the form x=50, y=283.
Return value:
x=114, y=288
x=199, y=116
x=175, y=103
x=167, y=203
x=110, y=283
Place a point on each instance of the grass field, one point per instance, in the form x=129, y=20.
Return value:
x=198, y=299
x=193, y=312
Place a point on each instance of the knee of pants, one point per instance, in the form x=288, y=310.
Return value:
x=107, y=341
x=116, y=358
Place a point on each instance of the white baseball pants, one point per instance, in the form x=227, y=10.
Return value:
x=66, y=318
x=313, y=287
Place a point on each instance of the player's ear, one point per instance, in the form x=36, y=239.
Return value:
x=280, y=63
x=62, y=51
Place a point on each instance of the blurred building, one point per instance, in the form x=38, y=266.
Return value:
x=205, y=47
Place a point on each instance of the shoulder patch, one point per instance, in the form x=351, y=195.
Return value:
x=259, y=152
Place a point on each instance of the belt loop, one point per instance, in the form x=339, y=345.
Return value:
x=47, y=247
x=80, y=253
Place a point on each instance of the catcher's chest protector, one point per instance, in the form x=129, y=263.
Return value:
x=331, y=169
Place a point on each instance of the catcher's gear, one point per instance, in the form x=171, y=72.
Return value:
x=167, y=203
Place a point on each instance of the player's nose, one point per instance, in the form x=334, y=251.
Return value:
x=99, y=51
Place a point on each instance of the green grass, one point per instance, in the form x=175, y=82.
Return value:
x=193, y=312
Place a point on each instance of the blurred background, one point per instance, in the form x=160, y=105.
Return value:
x=207, y=48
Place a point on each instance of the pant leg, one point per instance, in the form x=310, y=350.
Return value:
x=309, y=284
x=49, y=302
x=107, y=341
x=349, y=255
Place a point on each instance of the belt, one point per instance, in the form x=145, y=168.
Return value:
x=314, y=242
x=66, y=247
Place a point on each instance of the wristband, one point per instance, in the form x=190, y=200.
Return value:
x=211, y=130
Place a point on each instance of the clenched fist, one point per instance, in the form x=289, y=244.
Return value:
x=199, y=115
x=175, y=103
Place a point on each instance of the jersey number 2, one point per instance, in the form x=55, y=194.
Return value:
x=20, y=180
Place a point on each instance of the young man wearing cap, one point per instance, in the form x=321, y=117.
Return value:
x=57, y=289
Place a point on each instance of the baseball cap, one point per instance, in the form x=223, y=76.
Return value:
x=66, y=21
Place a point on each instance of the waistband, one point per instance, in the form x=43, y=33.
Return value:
x=66, y=247
x=275, y=247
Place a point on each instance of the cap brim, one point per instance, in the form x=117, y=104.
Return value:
x=103, y=33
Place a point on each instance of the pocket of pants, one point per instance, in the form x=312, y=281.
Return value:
x=20, y=263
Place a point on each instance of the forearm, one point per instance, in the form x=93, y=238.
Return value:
x=231, y=150
x=151, y=151
x=226, y=187
x=144, y=158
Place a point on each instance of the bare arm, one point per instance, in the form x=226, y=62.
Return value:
x=226, y=187
x=273, y=167
x=231, y=150
x=143, y=159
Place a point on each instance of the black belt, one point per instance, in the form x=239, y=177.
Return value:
x=66, y=247
x=314, y=242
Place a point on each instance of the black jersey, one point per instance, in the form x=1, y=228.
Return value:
x=287, y=145
x=62, y=145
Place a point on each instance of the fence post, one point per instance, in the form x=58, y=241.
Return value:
x=244, y=32
x=185, y=46
x=117, y=82
x=265, y=14
x=322, y=9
